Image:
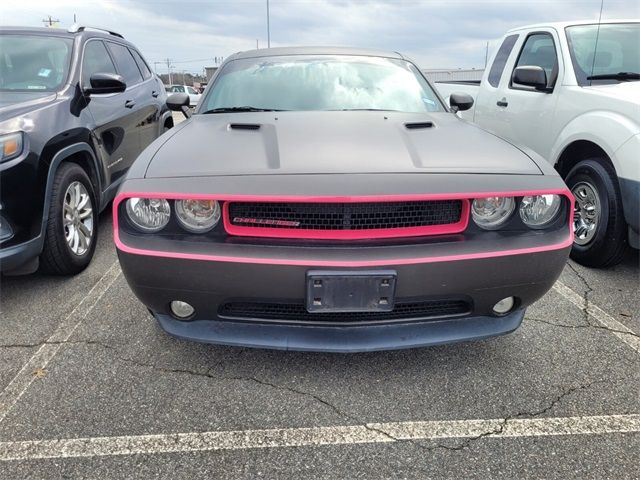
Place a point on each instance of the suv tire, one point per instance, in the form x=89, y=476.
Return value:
x=72, y=227
x=599, y=225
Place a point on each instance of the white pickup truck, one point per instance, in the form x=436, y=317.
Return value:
x=570, y=92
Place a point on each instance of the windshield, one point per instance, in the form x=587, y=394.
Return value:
x=322, y=82
x=617, y=51
x=33, y=62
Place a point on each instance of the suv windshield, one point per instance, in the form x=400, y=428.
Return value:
x=615, y=58
x=33, y=62
x=322, y=82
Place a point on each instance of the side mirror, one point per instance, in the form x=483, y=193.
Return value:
x=179, y=102
x=106, y=83
x=460, y=102
x=530, y=76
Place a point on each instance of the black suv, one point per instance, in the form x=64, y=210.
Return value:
x=76, y=109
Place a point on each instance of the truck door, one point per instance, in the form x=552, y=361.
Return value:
x=486, y=113
x=526, y=115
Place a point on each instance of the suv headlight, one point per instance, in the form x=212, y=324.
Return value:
x=538, y=211
x=197, y=216
x=491, y=212
x=148, y=215
x=11, y=146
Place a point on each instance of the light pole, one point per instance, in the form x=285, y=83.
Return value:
x=268, y=28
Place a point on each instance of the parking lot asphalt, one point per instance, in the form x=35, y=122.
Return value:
x=90, y=387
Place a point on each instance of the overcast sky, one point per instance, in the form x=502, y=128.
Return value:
x=436, y=34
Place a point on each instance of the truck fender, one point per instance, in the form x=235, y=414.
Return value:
x=606, y=129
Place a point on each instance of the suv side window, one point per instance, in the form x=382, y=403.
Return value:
x=127, y=66
x=142, y=65
x=501, y=60
x=540, y=50
x=96, y=60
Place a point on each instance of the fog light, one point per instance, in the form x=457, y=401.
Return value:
x=504, y=305
x=181, y=309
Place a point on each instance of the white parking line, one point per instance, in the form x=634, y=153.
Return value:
x=316, y=436
x=39, y=360
x=618, y=329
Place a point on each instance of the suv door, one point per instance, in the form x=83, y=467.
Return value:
x=139, y=103
x=152, y=94
x=527, y=114
x=115, y=137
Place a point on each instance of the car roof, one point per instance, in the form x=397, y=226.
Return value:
x=563, y=25
x=38, y=30
x=89, y=32
x=284, y=51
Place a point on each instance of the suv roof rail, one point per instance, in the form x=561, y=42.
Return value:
x=76, y=27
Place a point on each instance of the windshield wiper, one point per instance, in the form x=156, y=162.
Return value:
x=624, y=76
x=241, y=109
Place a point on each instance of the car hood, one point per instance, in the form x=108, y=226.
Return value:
x=333, y=142
x=13, y=104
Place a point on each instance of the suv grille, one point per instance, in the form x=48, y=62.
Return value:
x=296, y=312
x=346, y=220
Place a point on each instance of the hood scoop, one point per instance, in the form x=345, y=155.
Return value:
x=418, y=125
x=244, y=126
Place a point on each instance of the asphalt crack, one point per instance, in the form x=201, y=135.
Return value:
x=590, y=325
x=505, y=421
x=585, y=294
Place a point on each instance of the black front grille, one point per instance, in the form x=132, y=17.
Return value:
x=297, y=312
x=345, y=216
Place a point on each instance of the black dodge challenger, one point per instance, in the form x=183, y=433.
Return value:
x=327, y=199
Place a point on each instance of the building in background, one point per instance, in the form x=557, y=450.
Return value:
x=209, y=71
x=443, y=75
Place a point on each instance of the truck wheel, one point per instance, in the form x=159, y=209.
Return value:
x=598, y=221
x=72, y=229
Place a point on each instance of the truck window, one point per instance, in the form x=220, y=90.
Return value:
x=501, y=60
x=539, y=50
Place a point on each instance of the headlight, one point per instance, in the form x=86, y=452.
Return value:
x=198, y=216
x=538, y=211
x=149, y=215
x=491, y=212
x=11, y=146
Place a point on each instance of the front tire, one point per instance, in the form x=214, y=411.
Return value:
x=599, y=226
x=72, y=229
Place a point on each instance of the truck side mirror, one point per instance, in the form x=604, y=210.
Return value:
x=460, y=102
x=179, y=102
x=530, y=76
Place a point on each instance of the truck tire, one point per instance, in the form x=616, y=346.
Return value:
x=72, y=230
x=599, y=226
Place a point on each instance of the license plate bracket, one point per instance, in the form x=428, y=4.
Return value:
x=344, y=291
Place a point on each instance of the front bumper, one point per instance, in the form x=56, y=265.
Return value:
x=341, y=339
x=207, y=285
x=212, y=273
